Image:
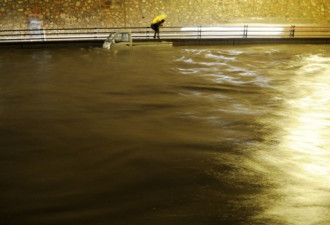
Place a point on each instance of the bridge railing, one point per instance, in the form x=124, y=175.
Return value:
x=144, y=33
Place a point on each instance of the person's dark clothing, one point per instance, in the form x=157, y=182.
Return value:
x=155, y=27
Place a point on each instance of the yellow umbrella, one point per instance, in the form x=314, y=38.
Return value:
x=159, y=18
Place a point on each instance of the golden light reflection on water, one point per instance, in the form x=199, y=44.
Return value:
x=230, y=135
x=303, y=152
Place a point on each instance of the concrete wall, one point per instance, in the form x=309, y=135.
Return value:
x=14, y=14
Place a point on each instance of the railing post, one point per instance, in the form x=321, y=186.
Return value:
x=245, y=31
x=147, y=32
x=292, y=30
x=199, y=32
x=43, y=35
x=95, y=33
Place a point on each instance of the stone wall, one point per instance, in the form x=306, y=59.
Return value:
x=14, y=14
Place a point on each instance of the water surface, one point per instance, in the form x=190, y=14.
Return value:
x=167, y=136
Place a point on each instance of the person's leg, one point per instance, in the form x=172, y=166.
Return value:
x=154, y=27
x=157, y=32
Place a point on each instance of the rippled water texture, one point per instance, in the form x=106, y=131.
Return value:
x=165, y=136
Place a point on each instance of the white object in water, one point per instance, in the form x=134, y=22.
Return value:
x=118, y=37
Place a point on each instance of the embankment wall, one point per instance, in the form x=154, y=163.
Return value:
x=15, y=14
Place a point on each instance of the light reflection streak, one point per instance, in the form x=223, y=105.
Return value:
x=228, y=31
x=304, y=146
x=295, y=158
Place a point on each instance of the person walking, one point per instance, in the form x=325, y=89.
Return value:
x=157, y=23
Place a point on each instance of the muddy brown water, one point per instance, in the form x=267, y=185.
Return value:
x=167, y=136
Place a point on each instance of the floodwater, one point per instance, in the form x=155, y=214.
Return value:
x=235, y=135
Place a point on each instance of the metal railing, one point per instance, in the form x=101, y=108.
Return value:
x=144, y=33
